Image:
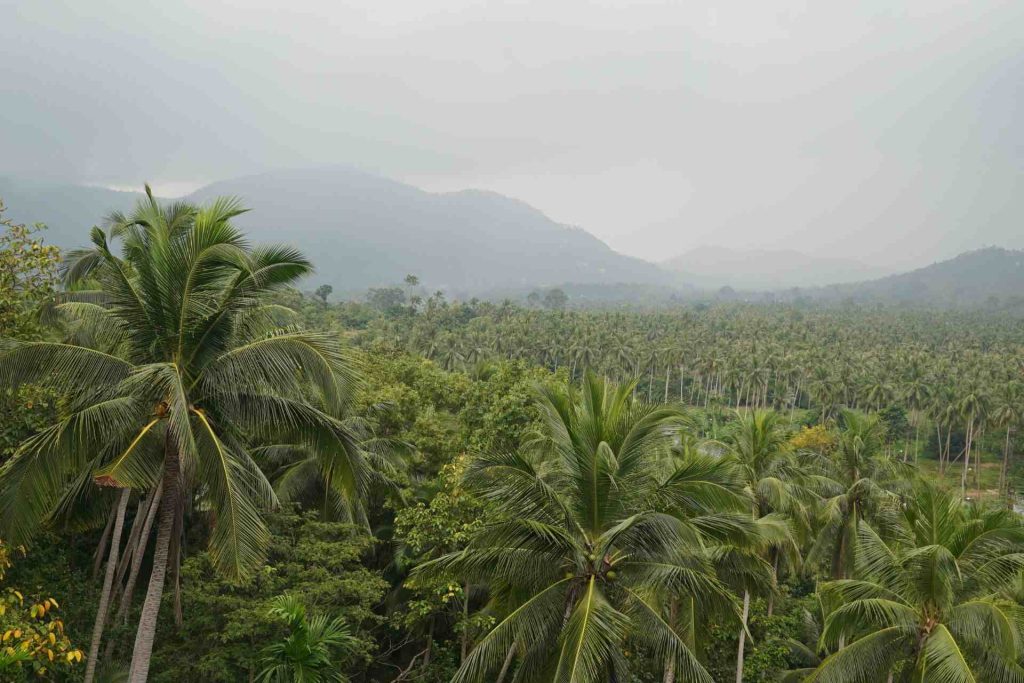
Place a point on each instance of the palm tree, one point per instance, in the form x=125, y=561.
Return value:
x=930, y=606
x=855, y=482
x=973, y=408
x=308, y=653
x=772, y=476
x=195, y=372
x=1008, y=414
x=317, y=474
x=916, y=394
x=605, y=522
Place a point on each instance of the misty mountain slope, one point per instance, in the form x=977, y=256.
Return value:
x=363, y=230
x=67, y=210
x=764, y=269
x=969, y=279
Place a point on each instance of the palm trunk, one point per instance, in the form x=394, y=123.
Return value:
x=101, y=549
x=465, y=623
x=967, y=459
x=146, y=633
x=108, y=582
x=743, y=637
x=1004, y=472
x=129, y=547
x=670, y=665
x=917, y=437
x=949, y=435
x=140, y=552
x=507, y=664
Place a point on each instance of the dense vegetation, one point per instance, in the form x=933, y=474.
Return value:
x=208, y=475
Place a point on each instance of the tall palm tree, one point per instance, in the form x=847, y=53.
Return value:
x=1009, y=415
x=856, y=484
x=773, y=477
x=973, y=408
x=930, y=605
x=605, y=523
x=196, y=370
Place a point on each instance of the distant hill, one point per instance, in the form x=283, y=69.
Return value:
x=764, y=269
x=985, y=276
x=362, y=230
x=68, y=210
x=366, y=231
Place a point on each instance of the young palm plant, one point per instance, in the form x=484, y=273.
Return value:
x=602, y=525
x=929, y=608
x=308, y=654
x=176, y=367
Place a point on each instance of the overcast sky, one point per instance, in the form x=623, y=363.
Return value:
x=890, y=132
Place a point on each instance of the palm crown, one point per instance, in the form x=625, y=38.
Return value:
x=928, y=606
x=602, y=521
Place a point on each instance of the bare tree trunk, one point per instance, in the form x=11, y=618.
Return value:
x=140, y=552
x=108, y=582
x=743, y=637
x=430, y=643
x=146, y=633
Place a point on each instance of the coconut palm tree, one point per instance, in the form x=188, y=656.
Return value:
x=773, y=478
x=196, y=370
x=929, y=606
x=605, y=523
x=317, y=476
x=1008, y=414
x=855, y=484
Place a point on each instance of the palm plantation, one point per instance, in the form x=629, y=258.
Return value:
x=492, y=492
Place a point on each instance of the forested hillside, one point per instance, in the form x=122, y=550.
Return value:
x=362, y=230
x=991, y=276
x=207, y=475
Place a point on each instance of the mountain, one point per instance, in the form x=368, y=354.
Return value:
x=984, y=276
x=67, y=210
x=362, y=231
x=753, y=269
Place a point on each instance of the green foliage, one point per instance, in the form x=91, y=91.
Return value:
x=33, y=642
x=309, y=652
x=320, y=565
x=28, y=277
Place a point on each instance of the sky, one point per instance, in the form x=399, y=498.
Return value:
x=883, y=131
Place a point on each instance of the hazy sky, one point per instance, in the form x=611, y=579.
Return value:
x=891, y=132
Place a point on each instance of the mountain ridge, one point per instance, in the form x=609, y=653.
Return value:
x=363, y=230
